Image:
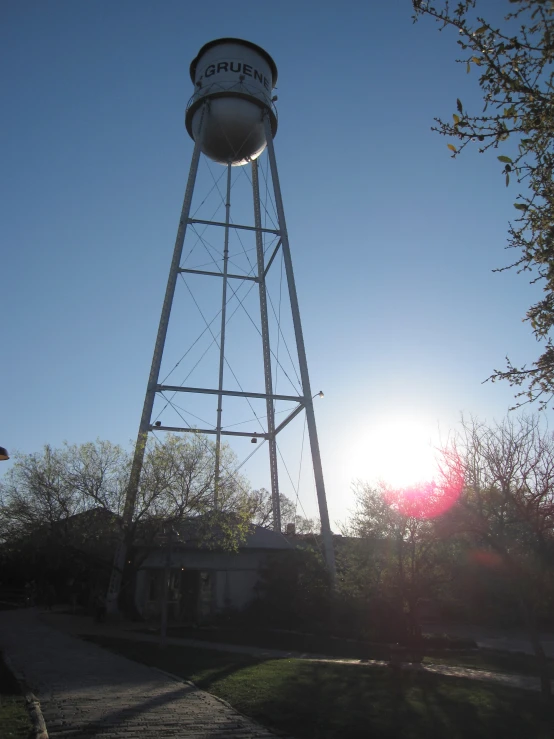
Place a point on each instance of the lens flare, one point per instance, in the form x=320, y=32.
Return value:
x=424, y=500
x=484, y=558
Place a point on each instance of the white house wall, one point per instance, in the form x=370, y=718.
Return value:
x=206, y=560
x=235, y=575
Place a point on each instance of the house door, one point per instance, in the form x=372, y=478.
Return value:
x=190, y=592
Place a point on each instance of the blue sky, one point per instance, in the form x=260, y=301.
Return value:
x=393, y=242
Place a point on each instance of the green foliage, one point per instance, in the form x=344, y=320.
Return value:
x=177, y=482
x=516, y=78
x=401, y=558
x=261, y=508
x=60, y=509
x=52, y=486
x=178, y=479
x=294, y=592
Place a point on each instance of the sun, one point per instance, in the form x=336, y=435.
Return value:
x=398, y=451
x=399, y=455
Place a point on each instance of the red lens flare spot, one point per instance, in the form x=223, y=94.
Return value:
x=492, y=560
x=424, y=500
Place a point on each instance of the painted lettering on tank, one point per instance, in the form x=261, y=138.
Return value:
x=236, y=68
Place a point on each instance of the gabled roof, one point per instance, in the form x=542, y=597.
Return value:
x=260, y=538
x=193, y=533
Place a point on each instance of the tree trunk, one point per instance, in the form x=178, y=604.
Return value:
x=542, y=662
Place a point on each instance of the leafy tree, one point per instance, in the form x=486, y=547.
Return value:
x=178, y=478
x=96, y=472
x=401, y=553
x=504, y=474
x=41, y=495
x=262, y=513
x=50, y=487
x=514, y=61
x=294, y=591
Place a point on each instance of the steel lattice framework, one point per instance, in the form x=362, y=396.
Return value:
x=302, y=401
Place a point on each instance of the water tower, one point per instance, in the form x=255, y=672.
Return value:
x=232, y=120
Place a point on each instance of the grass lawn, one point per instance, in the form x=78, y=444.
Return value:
x=288, y=641
x=14, y=719
x=497, y=661
x=325, y=701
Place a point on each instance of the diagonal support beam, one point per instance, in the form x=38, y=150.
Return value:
x=234, y=225
x=217, y=274
x=272, y=257
x=231, y=393
x=289, y=418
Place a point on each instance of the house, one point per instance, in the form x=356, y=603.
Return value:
x=206, y=575
x=203, y=581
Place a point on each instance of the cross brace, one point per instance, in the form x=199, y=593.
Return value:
x=232, y=393
x=235, y=225
x=181, y=429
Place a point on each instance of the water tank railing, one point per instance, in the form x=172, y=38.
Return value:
x=216, y=89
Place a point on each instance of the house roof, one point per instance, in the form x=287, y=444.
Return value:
x=195, y=553
x=195, y=534
x=260, y=538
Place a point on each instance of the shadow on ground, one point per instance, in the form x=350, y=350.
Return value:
x=332, y=701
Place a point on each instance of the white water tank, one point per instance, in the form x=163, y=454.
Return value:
x=234, y=81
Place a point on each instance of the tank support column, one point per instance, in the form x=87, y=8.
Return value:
x=270, y=410
x=222, y=340
x=302, y=361
x=146, y=418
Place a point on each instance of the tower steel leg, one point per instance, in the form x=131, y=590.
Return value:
x=276, y=505
x=222, y=340
x=140, y=447
x=303, y=365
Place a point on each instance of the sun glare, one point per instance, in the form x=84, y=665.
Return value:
x=400, y=452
